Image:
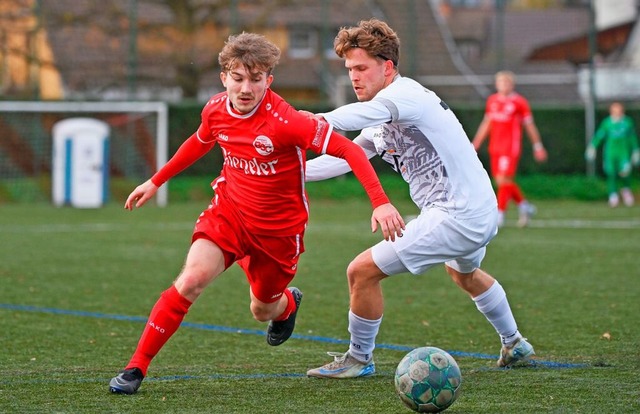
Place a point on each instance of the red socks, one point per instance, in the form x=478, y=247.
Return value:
x=516, y=194
x=507, y=192
x=165, y=318
x=504, y=195
x=291, y=306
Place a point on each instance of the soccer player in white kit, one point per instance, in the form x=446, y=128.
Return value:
x=414, y=131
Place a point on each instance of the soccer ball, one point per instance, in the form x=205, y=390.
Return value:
x=428, y=380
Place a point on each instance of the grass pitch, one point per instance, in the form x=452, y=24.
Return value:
x=77, y=286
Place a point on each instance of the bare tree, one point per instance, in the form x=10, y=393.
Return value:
x=113, y=48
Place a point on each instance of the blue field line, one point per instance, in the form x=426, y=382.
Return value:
x=218, y=328
x=15, y=380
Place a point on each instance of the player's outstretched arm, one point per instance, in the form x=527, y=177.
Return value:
x=390, y=220
x=140, y=195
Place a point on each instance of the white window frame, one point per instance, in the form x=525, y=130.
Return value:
x=299, y=51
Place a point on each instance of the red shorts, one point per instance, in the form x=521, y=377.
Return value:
x=270, y=262
x=505, y=165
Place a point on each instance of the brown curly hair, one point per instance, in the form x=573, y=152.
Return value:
x=251, y=50
x=373, y=36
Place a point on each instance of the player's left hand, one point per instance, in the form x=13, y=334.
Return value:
x=310, y=114
x=540, y=153
x=391, y=222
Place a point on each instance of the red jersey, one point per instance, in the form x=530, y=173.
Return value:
x=264, y=160
x=507, y=114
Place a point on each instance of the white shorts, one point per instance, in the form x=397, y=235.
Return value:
x=434, y=237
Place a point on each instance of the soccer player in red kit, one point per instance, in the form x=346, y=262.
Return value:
x=505, y=113
x=260, y=210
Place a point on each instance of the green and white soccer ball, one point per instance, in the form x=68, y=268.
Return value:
x=428, y=380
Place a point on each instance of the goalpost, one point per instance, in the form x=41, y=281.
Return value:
x=138, y=143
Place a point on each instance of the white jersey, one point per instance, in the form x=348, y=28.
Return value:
x=414, y=131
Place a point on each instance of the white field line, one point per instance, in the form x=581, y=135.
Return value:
x=93, y=227
x=187, y=226
x=585, y=224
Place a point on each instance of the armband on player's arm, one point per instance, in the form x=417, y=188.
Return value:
x=189, y=152
x=342, y=147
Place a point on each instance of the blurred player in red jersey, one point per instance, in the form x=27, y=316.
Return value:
x=505, y=113
x=260, y=210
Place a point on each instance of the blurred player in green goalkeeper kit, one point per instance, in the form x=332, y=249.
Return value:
x=620, y=152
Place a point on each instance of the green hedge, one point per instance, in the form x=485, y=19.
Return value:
x=535, y=186
x=562, y=130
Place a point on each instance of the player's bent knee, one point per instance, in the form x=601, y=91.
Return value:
x=262, y=312
x=192, y=282
x=363, y=270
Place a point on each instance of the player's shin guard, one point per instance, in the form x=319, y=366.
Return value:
x=504, y=195
x=165, y=318
x=516, y=193
x=494, y=306
x=363, y=336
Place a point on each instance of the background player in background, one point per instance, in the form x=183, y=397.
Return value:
x=260, y=210
x=414, y=131
x=505, y=113
x=618, y=134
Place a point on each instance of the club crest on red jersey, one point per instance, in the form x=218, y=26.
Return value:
x=263, y=145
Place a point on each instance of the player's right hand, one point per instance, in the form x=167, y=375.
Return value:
x=391, y=222
x=635, y=157
x=141, y=195
x=590, y=153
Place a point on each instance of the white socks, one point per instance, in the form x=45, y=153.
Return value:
x=363, y=336
x=494, y=306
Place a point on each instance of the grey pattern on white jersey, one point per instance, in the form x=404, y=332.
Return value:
x=412, y=155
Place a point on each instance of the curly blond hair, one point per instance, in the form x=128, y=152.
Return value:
x=373, y=36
